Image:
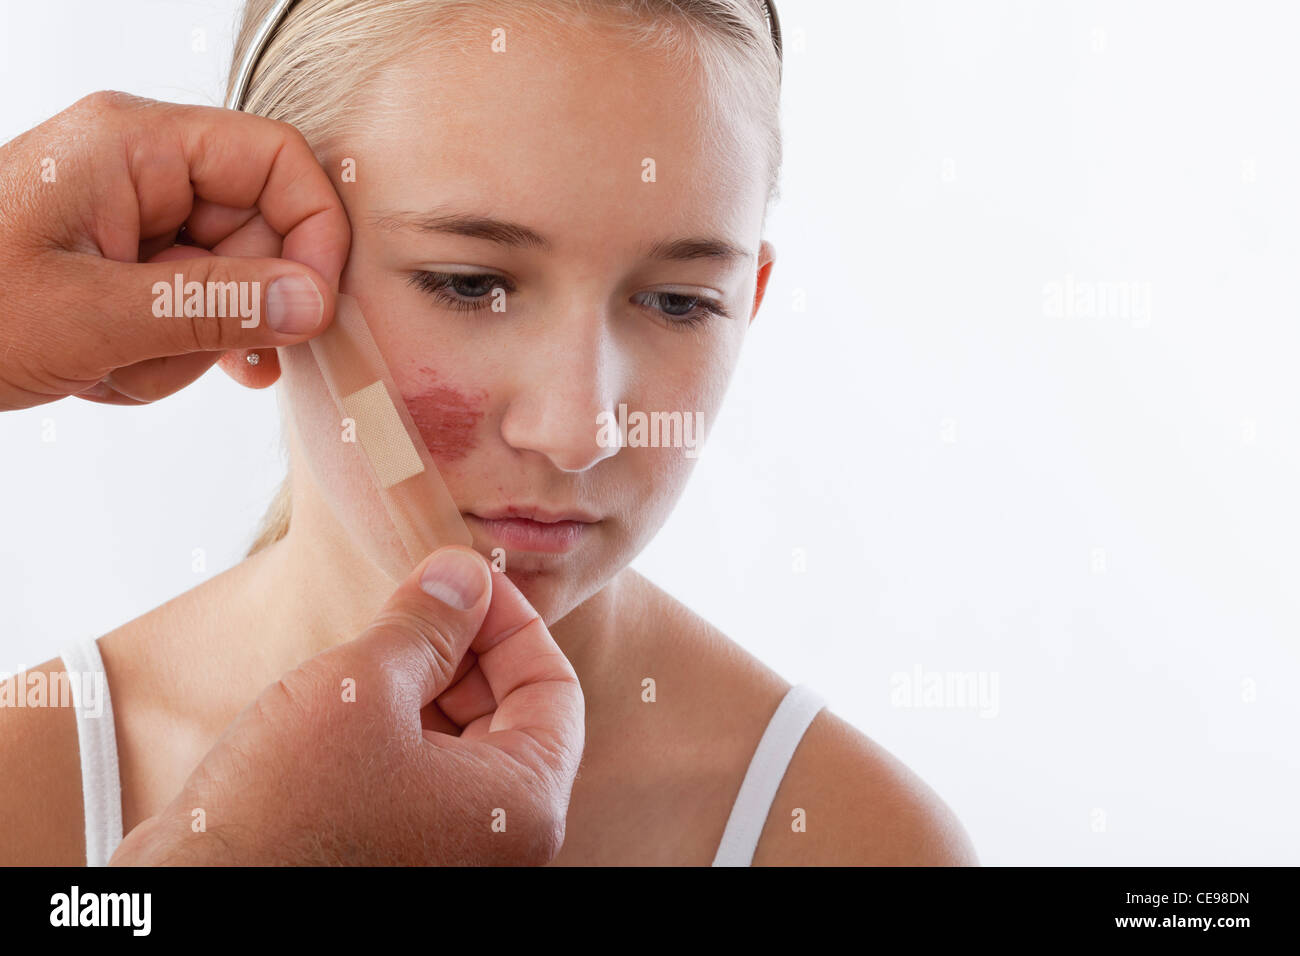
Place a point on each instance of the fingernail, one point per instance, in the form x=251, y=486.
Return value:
x=454, y=577
x=293, y=305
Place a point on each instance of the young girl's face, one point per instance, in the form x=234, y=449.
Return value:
x=542, y=236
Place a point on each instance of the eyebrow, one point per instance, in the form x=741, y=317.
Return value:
x=513, y=234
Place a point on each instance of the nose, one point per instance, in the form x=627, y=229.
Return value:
x=563, y=382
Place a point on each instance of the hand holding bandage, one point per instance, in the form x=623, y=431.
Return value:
x=91, y=203
x=451, y=730
x=446, y=756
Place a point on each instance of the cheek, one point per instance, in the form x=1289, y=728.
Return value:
x=448, y=418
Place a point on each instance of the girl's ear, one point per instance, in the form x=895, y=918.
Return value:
x=261, y=370
x=766, y=257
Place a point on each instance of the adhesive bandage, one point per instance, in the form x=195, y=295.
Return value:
x=422, y=510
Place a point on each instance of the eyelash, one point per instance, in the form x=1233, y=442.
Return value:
x=440, y=286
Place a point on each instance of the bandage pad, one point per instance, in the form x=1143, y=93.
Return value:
x=422, y=510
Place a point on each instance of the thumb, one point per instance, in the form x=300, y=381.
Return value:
x=424, y=630
x=211, y=303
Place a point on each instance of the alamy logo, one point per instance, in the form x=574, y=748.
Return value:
x=64, y=689
x=945, y=690
x=1087, y=299
x=650, y=430
x=102, y=909
x=178, y=298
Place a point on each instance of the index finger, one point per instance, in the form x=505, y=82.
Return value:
x=539, y=699
x=244, y=161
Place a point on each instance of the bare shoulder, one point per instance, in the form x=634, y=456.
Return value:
x=846, y=801
x=41, y=814
x=860, y=804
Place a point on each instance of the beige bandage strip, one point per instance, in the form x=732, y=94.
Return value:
x=422, y=510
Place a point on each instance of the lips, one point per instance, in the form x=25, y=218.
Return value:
x=537, y=513
x=529, y=528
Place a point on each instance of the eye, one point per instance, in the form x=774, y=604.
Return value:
x=471, y=291
x=683, y=310
x=464, y=291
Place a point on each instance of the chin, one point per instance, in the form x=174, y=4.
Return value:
x=550, y=590
x=541, y=589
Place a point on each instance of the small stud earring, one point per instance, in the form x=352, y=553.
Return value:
x=253, y=358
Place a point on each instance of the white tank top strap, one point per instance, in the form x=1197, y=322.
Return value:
x=766, y=770
x=101, y=788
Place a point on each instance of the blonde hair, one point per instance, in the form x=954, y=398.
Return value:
x=328, y=54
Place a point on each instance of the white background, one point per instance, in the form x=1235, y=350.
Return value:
x=1096, y=510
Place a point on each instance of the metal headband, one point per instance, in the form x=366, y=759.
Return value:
x=275, y=16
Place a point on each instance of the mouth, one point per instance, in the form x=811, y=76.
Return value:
x=523, y=528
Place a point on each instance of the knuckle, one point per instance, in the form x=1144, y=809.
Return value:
x=554, y=757
x=435, y=638
x=204, y=333
x=550, y=840
x=103, y=102
x=545, y=836
x=294, y=139
x=207, y=333
x=377, y=693
x=294, y=136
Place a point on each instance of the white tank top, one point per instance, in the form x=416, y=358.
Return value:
x=101, y=787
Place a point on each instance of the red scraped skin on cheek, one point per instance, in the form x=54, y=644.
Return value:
x=446, y=417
